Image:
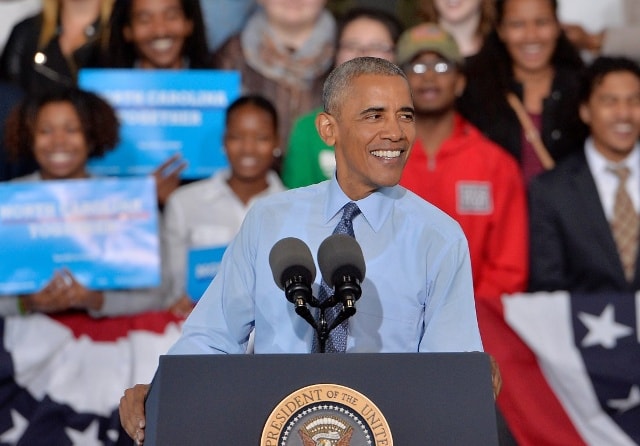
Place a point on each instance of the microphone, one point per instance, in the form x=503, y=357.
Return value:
x=342, y=265
x=294, y=271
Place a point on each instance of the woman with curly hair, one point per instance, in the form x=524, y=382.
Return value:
x=61, y=131
x=45, y=51
x=521, y=87
x=468, y=21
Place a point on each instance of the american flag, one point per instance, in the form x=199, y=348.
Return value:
x=570, y=366
x=61, y=379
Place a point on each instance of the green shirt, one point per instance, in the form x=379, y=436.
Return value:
x=308, y=159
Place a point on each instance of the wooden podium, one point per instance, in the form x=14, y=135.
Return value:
x=432, y=399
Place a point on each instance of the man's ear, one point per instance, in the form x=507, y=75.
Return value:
x=326, y=126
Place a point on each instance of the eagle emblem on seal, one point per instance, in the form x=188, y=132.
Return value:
x=326, y=431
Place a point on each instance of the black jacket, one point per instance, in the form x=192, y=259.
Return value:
x=487, y=108
x=18, y=63
x=572, y=246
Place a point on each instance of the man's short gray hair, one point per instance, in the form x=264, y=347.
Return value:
x=337, y=85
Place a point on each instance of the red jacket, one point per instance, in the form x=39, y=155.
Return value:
x=480, y=185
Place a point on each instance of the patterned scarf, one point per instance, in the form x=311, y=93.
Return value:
x=270, y=58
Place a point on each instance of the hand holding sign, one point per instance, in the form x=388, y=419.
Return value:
x=63, y=292
x=167, y=177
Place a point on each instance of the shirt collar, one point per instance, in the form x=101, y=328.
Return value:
x=219, y=182
x=599, y=163
x=375, y=208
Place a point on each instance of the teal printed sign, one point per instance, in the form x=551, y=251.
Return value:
x=104, y=231
x=164, y=112
x=202, y=267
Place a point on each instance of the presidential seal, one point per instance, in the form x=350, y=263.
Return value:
x=326, y=415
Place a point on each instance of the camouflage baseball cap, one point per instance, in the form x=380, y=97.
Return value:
x=427, y=37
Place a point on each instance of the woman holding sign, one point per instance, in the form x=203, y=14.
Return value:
x=157, y=34
x=153, y=34
x=61, y=131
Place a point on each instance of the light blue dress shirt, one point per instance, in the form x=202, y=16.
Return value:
x=417, y=295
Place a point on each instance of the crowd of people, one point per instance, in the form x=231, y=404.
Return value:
x=521, y=124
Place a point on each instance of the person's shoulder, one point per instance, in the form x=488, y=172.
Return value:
x=410, y=202
x=575, y=160
x=194, y=188
x=425, y=216
x=497, y=154
x=192, y=193
x=561, y=174
x=486, y=152
x=289, y=197
x=229, y=54
x=34, y=176
x=285, y=204
x=564, y=82
x=24, y=33
x=29, y=23
x=275, y=183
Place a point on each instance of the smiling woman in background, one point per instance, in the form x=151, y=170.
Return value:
x=61, y=131
x=157, y=34
x=521, y=90
x=208, y=213
x=468, y=21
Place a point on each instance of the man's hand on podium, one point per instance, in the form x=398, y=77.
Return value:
x=132, y=411
x=133, y=420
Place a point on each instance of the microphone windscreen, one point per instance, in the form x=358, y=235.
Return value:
x=293, y=257
x=340, y=252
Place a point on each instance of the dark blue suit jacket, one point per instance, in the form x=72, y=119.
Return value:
x=572, y=247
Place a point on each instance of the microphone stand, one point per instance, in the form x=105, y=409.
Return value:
x=297, y=290
x=299, y=294
x=322, y=327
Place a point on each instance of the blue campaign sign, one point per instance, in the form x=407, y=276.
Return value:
x=104, y=231
x=202, y=267
x=164, y=112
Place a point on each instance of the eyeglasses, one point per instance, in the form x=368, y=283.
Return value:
x=440, y=67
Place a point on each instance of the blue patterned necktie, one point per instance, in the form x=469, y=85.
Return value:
x=337, y=339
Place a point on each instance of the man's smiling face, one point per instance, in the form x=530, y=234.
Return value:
x=372, y=131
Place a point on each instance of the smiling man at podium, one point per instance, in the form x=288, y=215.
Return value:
x=418, y=293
